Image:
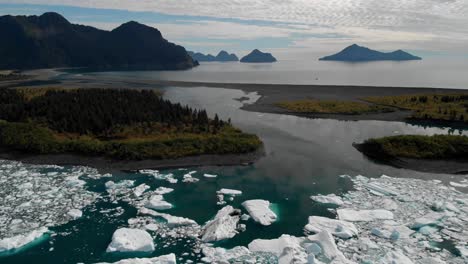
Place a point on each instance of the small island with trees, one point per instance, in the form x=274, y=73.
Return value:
x=67, y=125
x=437, y=153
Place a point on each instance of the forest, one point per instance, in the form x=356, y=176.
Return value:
x=120, y=123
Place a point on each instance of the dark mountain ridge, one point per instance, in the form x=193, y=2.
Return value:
x=256, y=56
x=50, y=41
x=356, y=53
x=222, y=56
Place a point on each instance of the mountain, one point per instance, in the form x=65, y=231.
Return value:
x=50, y=41
x=257, y=56
x=222, y=56
x=355, y=53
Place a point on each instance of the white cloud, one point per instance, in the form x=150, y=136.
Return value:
x=434, y=23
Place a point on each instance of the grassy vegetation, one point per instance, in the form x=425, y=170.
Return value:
x=418, y=147
x=332, y=107
x=130, y=125
x=443, y=107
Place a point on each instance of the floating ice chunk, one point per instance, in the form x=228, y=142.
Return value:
x=463, y=250
x=229, y=192
x=287, y=248
x=172, y=221
x=163, y=190
x=111, y=185
x=75, y=213
x=189, y=179
x=206, y=175
x=364, y=215
x=328, y=199
x=431, y=218
x=140, y=189
x=155, y=173
x=131, y=240
x=380, y=190
x=18, y=241
x=221, y=255
x=338, y=228
x=329, y=250
x=395, y=257
x=459, y=185
x=223, y=226
x=427, y=230
x=260, y=211
x=157, y=202
x=165, y=259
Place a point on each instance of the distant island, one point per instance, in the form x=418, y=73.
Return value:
x=223, y=56
x=116, y=124
x=257, y=56
x=356, y=53
x=50, y=41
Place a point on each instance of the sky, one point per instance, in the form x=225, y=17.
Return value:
x=286, y=27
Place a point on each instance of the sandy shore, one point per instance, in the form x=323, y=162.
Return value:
x=270, y=94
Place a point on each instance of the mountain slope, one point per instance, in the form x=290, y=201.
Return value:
x=355, y=53
x=49, y=40
x=257, y=56
x=222, y=56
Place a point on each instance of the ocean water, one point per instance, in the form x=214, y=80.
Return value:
x=303, y=157
x=440, y=72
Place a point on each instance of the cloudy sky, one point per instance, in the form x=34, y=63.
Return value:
x=425, y=27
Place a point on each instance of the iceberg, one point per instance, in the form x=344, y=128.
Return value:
x=140, y=189
x=18, y=241
x=364, y=215
x=163, y=190
x=287, y=248
x=223, y=226
x=338, y=228
x=75, y=213
x=165, y=259
x=395, y=257
x=328, y=199
x=157, y=202
x=221, y=255
x=260, y=211
x=172, y=221
x=206, y=175
x=131, y=240
x=328, y=247
x=229, y=192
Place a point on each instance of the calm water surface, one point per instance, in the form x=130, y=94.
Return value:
x=441, y=72
x=303, y=157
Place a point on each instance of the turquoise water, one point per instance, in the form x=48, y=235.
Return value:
x=303, y=157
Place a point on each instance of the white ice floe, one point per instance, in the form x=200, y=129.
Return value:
x=328, y=252
x=165, y=259
x=163, y=190
x=18, y=241
x=364, y=215
x=395, y=257
x=260, y=211
x=223, y=226
x=33, y=196
x=459, y=185
x=189, y=179
x=170, y=219
x=140, y=189
x=159, y=176
x=131, y=240
x=221, y=255
x=206, y=175
x=232, y=192
x=288, y=249
x=338, y=228
x=75, y=213
x=157, y=202
x=328, y=199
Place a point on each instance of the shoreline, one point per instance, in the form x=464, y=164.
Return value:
x=107, y=165
x=438, y=166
